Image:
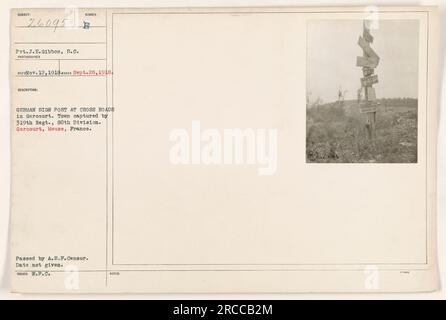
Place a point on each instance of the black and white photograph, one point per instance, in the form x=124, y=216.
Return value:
x=362, y=91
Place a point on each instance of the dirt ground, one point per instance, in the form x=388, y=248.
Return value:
x=336, y=133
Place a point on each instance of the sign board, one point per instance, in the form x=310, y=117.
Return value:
x=368, y=81
x=367, y=71
x=367, y=36
x=366, y=62
x=369, y=52
x=368, y=107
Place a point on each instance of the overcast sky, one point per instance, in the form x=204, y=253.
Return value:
x=332, y=51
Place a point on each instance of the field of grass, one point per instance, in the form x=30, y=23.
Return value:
x=336, y=133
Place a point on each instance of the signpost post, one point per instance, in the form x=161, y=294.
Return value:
x=368, y=62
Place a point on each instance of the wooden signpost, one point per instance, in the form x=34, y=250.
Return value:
x=368, y=62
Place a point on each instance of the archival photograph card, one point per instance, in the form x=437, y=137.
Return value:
x=226, y=150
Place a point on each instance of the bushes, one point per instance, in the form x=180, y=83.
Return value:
x=336, y=136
